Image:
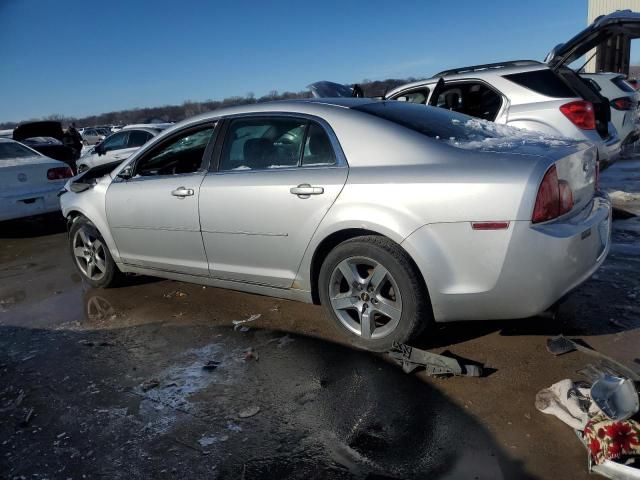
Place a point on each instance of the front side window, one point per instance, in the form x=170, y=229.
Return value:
x=181, y=154
x=137, y=138
x=115, y=142
x=261, y=143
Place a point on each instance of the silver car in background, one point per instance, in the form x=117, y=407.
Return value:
x=392, y=215
x=117, y=147
x=548, y=96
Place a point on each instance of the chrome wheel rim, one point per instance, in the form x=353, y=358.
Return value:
x=90, y=254
x=365, y=297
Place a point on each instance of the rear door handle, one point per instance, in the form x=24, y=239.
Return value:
x=182, y=192
x=304, y=190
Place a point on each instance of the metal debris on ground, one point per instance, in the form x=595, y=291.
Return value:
x=249, y=412
x=252, y=318
x=411, y=359
x=149, y=384
x=560, y=345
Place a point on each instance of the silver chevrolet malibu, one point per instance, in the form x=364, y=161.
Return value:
x=391, y=215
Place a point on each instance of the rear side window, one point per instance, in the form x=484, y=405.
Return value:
x=455, y=129
x=622, y=84
x=272, y=143
x=317, y=148
x=137, y=138
x=544, y=82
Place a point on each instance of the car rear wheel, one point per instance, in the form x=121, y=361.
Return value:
x=370, y=287
x=91, y=255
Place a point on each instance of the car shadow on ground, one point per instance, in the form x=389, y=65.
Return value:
x=39, y=226
x=136, y=402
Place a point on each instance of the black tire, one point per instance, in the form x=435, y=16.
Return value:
x=416, y=313
x=111, y=276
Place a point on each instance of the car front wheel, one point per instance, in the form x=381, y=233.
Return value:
x=91, y=255
x=370, y=287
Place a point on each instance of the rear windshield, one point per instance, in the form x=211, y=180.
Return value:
x=544, y=82
x=433, y=122
x=455, y=129
x=14, y=150
x=622, y=84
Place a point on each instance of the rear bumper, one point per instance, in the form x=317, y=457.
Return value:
x=514, y=273
x=27, y=204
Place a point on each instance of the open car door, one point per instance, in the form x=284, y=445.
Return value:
x=437, y=90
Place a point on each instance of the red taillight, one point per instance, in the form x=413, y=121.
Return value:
x=59, y=173
x=623, y=103
x=580, y=113
x=554, y=198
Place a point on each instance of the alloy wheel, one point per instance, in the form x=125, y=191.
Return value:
x=89, y=253
x=365, y=297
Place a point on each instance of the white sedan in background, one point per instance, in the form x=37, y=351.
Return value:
x=116, y=147
x=29, y=181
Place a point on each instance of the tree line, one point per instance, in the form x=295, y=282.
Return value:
x=175, y=113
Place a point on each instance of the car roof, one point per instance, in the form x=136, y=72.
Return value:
x=485, y=73
x=286, y=106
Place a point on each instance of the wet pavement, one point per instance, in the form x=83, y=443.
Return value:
x=110, y=383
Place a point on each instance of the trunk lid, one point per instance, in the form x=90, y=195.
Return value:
x=26, y=175
x=621, y=22
x=47, y=128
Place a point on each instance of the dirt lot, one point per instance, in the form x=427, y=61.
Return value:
x=110, y=384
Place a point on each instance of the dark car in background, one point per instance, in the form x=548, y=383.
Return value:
x=45, y=137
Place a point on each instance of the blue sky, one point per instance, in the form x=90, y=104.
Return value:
x=72, y=58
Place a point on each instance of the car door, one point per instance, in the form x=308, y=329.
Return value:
x=135, y=139
x=275, y=179
x=110, y=149
x=153, y=214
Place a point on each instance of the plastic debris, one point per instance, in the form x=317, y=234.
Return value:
x=175, y=293
x=249, y=412
x=252, y=318
x=616, y=397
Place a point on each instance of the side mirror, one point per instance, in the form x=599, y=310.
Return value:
x=99, y=149
x=126, y=173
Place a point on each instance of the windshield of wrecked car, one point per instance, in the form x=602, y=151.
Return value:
x=455, y=129
x=11, y=150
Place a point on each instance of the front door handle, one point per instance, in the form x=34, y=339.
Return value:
x=182, y=192
x=304, y=190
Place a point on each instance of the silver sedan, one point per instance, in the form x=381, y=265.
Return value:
x=391, y=215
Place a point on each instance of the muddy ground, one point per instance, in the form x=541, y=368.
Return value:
x=109, y=383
